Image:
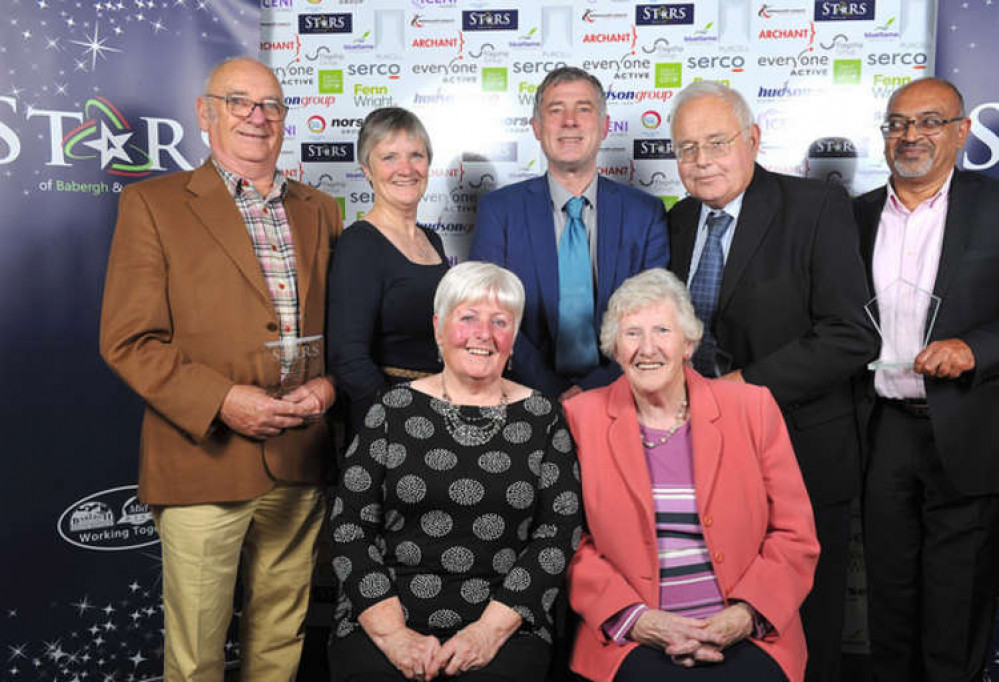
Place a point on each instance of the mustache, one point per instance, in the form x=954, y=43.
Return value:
x=905, y=145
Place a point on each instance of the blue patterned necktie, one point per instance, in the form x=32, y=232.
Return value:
x=704, y=289
x=576, y=344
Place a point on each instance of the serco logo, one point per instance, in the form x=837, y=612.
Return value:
x=111, y=520
x=651, y=120
x=671, y=14
x=844, y=11
x=489, y=20
x=917, y=60
x=390, y=70
x=328, y=152
x=316, y=124
x=655, y=149
x=326, y=23
x=736, y=63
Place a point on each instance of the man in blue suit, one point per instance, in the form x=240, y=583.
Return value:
x=571, y=236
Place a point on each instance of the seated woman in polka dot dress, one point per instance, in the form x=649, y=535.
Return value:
x=458, y=508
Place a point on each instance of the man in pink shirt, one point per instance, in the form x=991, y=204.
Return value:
x=931, y=494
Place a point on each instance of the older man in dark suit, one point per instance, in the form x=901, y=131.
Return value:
x=206, y=267
x=774, y=270
x=931, y=496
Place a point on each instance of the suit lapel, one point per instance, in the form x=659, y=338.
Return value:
x=540, y=227
x=683, y=221
x=705, y=436
x=305, y=235
x=759, y=205
x=609, y=213
x=217, y=211
x=956, y=232
x=626, y=450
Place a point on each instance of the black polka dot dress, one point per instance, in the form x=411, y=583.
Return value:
x=447, y=513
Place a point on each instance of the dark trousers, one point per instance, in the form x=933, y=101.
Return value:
x=355, y=658
x=930, y=557
x=822, y=612
x=744, y=662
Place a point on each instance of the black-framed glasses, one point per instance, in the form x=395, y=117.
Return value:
x=712, y=149
x=242, y=107
x=928, y=125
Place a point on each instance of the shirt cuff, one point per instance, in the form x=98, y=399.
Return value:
x=619, y=625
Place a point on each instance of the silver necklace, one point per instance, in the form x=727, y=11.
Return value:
x=681, y=418
x=473, y=431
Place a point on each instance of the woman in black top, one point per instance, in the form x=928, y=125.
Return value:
x=458, y=508
x=386, y=268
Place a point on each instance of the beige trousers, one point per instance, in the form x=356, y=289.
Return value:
x=202, y=544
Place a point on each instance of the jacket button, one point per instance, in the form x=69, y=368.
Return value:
x=272, y=326
x=719, y=557
x=708, y=521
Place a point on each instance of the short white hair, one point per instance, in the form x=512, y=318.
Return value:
x=474, y=281
x=652, y=287
x=698, y=89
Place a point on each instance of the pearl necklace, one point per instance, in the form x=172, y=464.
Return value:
x=681, y=418
x=473, y=431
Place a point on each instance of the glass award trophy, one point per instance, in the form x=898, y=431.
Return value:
x=899, y=309
x=299, y=360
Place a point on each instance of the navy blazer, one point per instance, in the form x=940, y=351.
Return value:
x=963, y=411
x=515, y=228
x=791, y=315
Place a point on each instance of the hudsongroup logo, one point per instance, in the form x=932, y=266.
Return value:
x=667, y=14
x=489, y=20
x=342, y=22
x=857, y=10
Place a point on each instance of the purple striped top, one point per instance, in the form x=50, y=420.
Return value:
x=687, y=583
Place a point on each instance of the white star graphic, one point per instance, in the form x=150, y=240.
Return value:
x=137, y=658
x=95, y=47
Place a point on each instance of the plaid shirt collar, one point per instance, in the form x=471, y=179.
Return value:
x=236, y=184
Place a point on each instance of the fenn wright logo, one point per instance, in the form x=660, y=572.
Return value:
x=111, y=520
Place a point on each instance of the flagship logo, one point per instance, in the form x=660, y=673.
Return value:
x=111, y=520
x=489, y=20
x=100, y=132
x=826, y=10
x=671, y=14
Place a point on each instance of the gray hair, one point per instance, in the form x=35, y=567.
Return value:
x=652, y=287
x=698, y=89
x=931, y=79
x=474, y=281
x=569, y=74
x=385, y=122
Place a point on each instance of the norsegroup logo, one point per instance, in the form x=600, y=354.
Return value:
x=342, y=22
x=828, y=10
x=110, y=520
x=489, y=20
x=669, y=14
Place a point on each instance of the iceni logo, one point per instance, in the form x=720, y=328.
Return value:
x=110, y=145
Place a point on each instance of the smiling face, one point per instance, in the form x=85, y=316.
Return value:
x=651, y=350
x=926, y=159
x=397, y=169
x=715, y=181
x=246, y=146
x=570, y=127
x=476, y=339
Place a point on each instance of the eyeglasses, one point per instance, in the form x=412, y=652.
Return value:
x=712, y=149
x=929, y=126
x=242, y=107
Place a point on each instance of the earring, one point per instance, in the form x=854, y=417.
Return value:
x=440, y=359
x=509, y=363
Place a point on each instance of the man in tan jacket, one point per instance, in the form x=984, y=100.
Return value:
x=205, y=268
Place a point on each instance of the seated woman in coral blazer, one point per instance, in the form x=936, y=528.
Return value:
x=700, y=545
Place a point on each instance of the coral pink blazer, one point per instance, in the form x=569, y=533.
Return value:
x=754, y=510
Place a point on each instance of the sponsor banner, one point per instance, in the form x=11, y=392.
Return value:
x=93, y=96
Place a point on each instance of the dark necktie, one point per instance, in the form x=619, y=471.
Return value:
x=704, y=289
x=576, y=344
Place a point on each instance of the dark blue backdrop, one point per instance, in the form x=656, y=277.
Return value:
x=92, y=96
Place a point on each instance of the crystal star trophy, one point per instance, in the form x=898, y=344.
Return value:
x=297, y=359
x=899, y=309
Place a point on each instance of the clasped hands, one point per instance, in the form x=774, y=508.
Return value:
x=252, y=412
x=423, y=657
x=694, y=641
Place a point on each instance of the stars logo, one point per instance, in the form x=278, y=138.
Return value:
x=108, y=140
